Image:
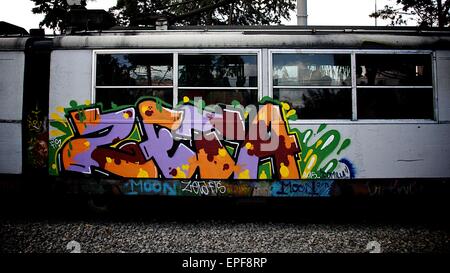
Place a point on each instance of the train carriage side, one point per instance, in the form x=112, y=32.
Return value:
x=336, y=111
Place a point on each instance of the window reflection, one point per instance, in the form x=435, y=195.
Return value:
x=129, y=96
x=323, y=103
x=392, y=103
x=134, y=69
x=208, y=70
x=393, y=69
x=311, y=69
x=244, y=97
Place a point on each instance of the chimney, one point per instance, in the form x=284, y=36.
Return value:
x=161, y=23
x=302, y=12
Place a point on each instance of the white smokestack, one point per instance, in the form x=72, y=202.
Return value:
x=302, y=12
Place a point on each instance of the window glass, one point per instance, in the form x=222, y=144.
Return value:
x=207, y=70
x=129, y=96
x=393, y=69
x=244, y=97
x=311, y=70
x=134, y=69
x=320, y=103
x=392, y=103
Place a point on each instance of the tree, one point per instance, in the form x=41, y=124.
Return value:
x=427, y=13
x=203, y=12
x=55, y=12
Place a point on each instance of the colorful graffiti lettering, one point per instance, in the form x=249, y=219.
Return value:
x=193, y=141
x=254, y=188
x=203, y=187
x=149, y=187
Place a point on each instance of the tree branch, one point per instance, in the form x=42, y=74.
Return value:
x=201, y=10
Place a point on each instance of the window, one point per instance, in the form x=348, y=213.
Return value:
x=393, y=70
x=394, y=86
x=318, y=86
x=395, y=103
x=218, y=78
x=355, y=85
x=124, y=78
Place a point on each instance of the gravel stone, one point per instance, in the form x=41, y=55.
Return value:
x=47, y=236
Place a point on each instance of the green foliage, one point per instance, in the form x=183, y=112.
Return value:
x=426, y=13
x=203, y=12
x=186, y=12
x=55, y=12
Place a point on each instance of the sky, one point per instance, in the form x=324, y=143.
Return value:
x=320, y=12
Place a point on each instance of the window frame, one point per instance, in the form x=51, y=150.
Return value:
x=175, y=54
x=353, y=86
x=272, y=52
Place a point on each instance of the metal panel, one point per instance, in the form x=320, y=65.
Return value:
x=11, y=148
x=354, y=93
x=265, y=73
x=311, y=86
x=70, y=77
x=175, y=79
x=12, y=43
x=217, y=88
x=239, y=39
x=12, y=66
x=443, y=84
x=134, y=86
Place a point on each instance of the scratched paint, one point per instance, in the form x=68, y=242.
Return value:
x=152, y=140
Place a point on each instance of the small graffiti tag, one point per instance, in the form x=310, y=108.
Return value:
x=304, y=188
x=203, y=187
x=149, y=187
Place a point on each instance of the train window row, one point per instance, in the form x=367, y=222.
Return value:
x=336, y=86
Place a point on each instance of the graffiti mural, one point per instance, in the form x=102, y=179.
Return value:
x=152, y=139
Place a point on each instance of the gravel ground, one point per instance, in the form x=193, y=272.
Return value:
x=216, y=236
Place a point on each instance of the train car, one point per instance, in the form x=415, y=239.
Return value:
x=242, y=111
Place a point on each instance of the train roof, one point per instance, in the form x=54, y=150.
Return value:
x=312, y=37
